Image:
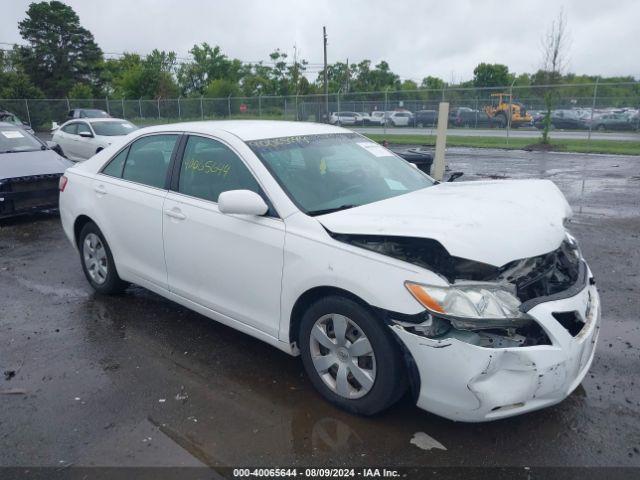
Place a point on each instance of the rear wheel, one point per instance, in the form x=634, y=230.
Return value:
x=500, y=120
x=350, y=357
x=97, y=261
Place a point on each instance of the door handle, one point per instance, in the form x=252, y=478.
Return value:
x=175, y=213
x=100, y=190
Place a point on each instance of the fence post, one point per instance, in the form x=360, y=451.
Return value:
x=297, y=117
x=260, y=105
x=140, y=106
x=179, y=109
x=593, y=107
x=26, y=104
x=441, y=141
x=201, y=109
x=158, y=103
x=123, y=114
x=229, y=104
x=68, y=104
x=107, y=100
x=386, y=105
x=476, y=124
x=284, y=112
x=509, y=116
x=338, y=110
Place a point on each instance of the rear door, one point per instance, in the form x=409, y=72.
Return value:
x=129, y=194
x=231, y=264
x=66, y=138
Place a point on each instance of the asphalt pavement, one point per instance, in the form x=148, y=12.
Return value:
x=137, y=380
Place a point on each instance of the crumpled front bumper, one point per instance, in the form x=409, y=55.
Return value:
x=465, y=382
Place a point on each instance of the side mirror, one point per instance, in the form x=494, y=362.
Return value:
x=454, y=176
x=52, y=145
x=86, y=134
x=243, y=202
x=26, y=123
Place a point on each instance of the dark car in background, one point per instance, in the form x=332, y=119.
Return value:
x=425, y=118
x=564, y=119
x=613, y=121
x=29, y=172
x=86, y=113
x=468, y=117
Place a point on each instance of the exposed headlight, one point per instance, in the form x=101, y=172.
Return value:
x=471, y=305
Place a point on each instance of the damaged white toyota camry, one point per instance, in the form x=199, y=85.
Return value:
x=324, y=244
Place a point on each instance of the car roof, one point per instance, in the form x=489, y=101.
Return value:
x=102, y=120
x=250, y=129
x=9, y=125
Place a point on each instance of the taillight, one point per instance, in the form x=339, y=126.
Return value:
x=62, y=183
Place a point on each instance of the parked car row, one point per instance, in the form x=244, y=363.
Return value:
x=458, y=117
x=584, y=118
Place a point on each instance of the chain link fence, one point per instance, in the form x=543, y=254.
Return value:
x=580, y=107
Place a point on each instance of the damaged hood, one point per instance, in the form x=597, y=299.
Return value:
x=25, y=164
x=492, y=222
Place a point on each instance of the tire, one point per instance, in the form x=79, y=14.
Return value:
x=383, y=366
x=501, y=120
x=94, y=250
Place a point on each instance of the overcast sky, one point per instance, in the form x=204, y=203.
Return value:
x=444, y=38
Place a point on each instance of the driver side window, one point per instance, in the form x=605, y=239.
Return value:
x=209, y=168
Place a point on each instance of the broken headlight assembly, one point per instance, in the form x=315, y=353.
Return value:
x=482, y=314
x=472, y=306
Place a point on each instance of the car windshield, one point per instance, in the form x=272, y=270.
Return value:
x=13, y=140
x=325, y=173
x=113, y=129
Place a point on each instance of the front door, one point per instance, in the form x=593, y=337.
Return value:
x=231, y=264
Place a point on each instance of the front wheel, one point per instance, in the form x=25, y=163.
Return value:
x=97, y=261
x=350, y=356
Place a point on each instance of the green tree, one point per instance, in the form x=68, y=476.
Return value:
x=209, y=63
x=149, y=77
x=61, y=52
x=80, y=91
x=491, y=75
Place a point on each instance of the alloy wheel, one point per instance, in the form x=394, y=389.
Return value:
x=95, y=258
x=342, y=356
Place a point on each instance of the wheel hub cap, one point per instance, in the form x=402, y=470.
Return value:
x=342, y=356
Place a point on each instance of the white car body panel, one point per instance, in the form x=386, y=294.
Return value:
x=248, y=272
x=534, y=210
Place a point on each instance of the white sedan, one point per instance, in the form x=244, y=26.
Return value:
x=81, y=139
x=324, y=244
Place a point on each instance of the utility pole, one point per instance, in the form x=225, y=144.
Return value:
x=326, y=83
x=348, y=76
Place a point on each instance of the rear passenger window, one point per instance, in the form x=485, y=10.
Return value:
x=210, y=168
x=148, y=160
x=114, y=168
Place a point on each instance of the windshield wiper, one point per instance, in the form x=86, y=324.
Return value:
x=313, y=213
x=16, y=151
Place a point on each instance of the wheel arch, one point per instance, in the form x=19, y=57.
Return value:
x=79, y=224
x=310, y=296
